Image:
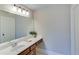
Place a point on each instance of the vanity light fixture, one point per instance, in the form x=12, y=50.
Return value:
x=21, y=10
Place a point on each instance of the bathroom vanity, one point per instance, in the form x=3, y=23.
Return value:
x=31, y=50
x=23, y=47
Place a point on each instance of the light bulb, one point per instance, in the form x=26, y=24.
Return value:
x=27, y=13
x=14, y=8
x=19, y=10
x=24, y=12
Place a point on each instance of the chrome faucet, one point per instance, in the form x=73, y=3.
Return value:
x=13, y=44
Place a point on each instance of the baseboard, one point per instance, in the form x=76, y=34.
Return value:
x=47, y=52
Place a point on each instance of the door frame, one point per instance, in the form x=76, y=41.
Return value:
x=73, y=29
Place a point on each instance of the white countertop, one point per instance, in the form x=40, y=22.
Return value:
x=22, y=45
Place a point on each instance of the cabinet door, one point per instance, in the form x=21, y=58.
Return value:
x=32, y=52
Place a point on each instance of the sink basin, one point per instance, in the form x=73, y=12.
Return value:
x=18, y=47
x=29, y=41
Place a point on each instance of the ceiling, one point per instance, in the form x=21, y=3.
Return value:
x=35, y=6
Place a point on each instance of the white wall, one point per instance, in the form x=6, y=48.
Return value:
x=53, y=22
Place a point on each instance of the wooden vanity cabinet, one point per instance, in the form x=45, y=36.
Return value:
x=32, y=49
x=25, y=52
x=32, y=52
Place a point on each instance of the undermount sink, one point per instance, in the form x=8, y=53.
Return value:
x=29, y=41
x=18, y=47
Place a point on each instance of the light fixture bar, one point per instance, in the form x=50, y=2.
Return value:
x=21, y=10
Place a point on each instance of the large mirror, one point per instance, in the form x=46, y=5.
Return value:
x=13, y=26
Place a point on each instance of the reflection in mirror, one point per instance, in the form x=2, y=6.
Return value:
x=23, y=26
x=14, y=26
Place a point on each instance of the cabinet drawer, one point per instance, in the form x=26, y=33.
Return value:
x=24, y=52
x=33, y=47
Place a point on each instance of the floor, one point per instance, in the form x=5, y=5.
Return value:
x=40, y=52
